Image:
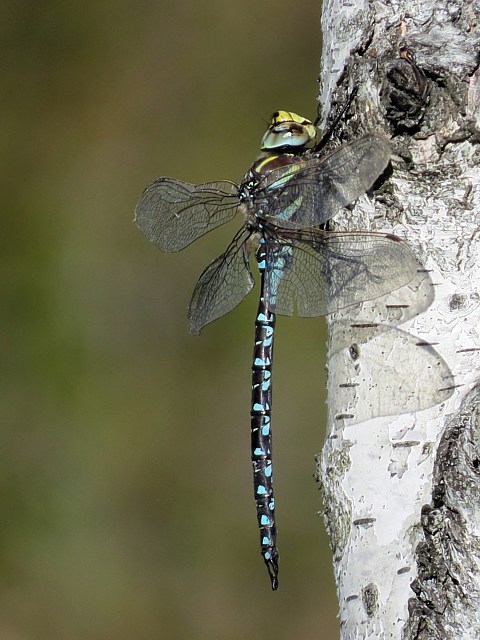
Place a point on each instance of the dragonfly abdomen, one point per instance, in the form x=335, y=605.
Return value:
x=261, y=431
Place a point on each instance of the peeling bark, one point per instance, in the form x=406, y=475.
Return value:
x=400, y=467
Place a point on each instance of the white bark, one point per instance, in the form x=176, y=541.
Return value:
x=402, y=490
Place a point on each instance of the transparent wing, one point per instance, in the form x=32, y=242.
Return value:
x=222, y=285
x=396, y=307
x=311, y=191
x=314, y=273
x=172, y=214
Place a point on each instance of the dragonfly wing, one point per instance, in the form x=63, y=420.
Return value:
x=317, y=273
x=222, y=285
x=312, y=191
x=172, y=214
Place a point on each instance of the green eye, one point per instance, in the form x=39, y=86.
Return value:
x=288, y=131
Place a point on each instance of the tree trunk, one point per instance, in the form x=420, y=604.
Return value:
x=401, y=464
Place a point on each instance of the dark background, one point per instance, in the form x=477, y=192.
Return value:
x=126, y=492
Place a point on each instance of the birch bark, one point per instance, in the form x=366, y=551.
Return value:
x=401, y=464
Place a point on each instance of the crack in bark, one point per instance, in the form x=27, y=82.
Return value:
x=449, y=556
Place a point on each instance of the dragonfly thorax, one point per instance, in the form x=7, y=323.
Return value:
x=255, y=185
x=288, y=133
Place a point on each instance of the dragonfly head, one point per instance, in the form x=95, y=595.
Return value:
x=288, y=132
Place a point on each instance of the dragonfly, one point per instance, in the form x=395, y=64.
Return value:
x=286, y=197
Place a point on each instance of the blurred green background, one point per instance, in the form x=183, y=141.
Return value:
x=126, y=490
